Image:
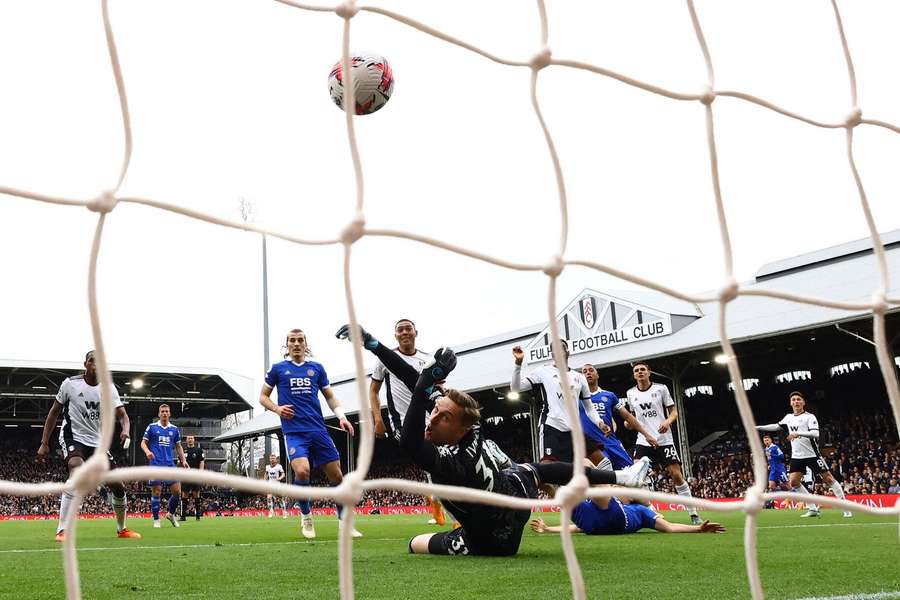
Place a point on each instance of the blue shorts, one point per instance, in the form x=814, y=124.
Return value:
x=778, y=475
x=317, y=446
x=156, y=482
x=615, y=452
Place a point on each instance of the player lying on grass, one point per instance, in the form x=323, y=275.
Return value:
x=453, y=450
x=617, y=515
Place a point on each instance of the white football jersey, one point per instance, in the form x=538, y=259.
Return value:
x=554, y=413
x=274, y=473
x=649, y=408
x=398, y=395
x=81, y=411
x=802, y=447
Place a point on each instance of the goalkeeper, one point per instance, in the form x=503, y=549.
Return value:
x=453, y=450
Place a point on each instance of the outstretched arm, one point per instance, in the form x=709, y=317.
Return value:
x=390, y=359
x=635, y=425
x=519, y=383
x=771, y=427
x=706, y=527
x=538, y=526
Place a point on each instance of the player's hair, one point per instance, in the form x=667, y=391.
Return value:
x=564, y=344
x=589, y=365
x=308, y=349
x=641, y=363
x=410, y=321
x=166, y=405
x=767, y=435
x=792, y=394
x=88, y=355
x=471, y=409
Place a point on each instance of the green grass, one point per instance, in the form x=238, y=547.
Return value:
x=235, y=558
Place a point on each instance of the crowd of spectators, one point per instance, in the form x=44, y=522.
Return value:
x=862, y=452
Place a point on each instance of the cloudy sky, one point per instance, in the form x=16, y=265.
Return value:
x=229, y=99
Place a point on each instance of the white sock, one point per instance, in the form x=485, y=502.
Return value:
x=119, y=507
x=605, y=464
x=685, y=490
x=837, y=489
x=64, y=503
x=809, y=505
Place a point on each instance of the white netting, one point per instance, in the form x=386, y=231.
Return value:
x=350, y=491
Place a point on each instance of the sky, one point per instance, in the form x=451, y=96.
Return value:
x=229, y=100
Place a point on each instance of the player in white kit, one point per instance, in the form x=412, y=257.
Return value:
x=803, y=432
x=78, y=401
x=654, y=408
x=275, y=472
x=555, y=427
x=398, y=395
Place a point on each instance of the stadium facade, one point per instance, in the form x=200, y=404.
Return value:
x=200, y=398
x=779, y=344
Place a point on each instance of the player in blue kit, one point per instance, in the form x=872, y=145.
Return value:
x=594, y=440
x=614, y=516
x=161, y=440
x=608, y=403
x=617, y=515
x=778, y=477
x=299, y=381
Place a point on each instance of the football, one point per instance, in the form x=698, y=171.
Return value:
x=373, y=82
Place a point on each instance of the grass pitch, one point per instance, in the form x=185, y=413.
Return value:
x=259, y=558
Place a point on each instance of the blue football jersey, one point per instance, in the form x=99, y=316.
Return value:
x=590, y=430
x=298, y=385
x=618, y=518
x=606, y=403
x=161, y=441
x=775, y=457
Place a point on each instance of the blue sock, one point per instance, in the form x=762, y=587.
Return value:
x=340, y=507
x=174, y=499
x=154, y=507
x=304, y=504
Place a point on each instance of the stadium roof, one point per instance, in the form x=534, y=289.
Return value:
x=27, y=387
x=844, y=273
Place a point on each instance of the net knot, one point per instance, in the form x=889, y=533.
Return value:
x=88, y=477
x=707, y=96
x=854, y=118
x=346, y=10
x=569, y=495
x=350, y=492
x=541, y=59
x=103, y=203
x=555, y=267
x=729, y=291
x=879, y=303
x=354, y=230
x=753, y=501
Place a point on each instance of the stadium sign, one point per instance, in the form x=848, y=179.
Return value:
x=594, y=321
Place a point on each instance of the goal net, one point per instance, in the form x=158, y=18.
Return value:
x=705, y=97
